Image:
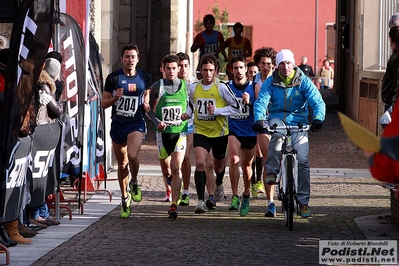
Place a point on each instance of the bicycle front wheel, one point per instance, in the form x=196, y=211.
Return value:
x=289, y=212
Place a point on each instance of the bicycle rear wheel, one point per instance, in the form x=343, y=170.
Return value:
x=289, y=211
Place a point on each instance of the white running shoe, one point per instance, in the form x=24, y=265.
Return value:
x=201, y=207
x=219, y=192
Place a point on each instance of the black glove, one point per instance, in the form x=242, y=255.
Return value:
x=259, y=125
x=316, y=125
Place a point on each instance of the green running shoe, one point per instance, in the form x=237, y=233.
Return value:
x=235, y=203
x=244, y=206
x=125, y=209
x=260, y=187
x=185, y=200
x=254, y=190
x=135, y=191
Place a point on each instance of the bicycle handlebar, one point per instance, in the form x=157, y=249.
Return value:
x=275, y=128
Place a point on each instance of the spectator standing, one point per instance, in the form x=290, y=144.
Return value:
x=49, y=109
x=390, y=80
x=384, y=164
x=326, y=80
x=306, y=69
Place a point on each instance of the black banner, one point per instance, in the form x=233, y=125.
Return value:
x=8, y=10
x=44, y=146
x=15, y=182
x=74, y=94
x=30, y=39
x=96, y=132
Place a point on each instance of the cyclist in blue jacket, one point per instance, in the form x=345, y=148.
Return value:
x=289, y=93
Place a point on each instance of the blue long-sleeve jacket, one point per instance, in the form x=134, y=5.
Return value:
x=290, y=103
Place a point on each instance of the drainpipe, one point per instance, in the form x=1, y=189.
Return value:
x=149, y=37
x=189, y=33
x=133, y=36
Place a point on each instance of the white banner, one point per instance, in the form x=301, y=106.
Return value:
x=358, y=252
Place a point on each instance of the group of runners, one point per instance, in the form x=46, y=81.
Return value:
x=208, y=117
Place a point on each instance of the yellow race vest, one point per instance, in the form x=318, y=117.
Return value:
x=206, y=124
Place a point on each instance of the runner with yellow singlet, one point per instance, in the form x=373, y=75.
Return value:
x=212, y=102
x=237, y=45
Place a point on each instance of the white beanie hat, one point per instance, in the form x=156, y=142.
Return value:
x=52, y=67
x=394, y=21
x=285, y=55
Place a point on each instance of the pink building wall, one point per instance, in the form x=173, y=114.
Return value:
x=279, y=23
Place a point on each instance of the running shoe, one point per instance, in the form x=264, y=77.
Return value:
x=244, y=209
x=180, y=193
x=185, y=200
x=173, y=212
x=201, y=207
x=135, y=191
x=305, y=211
x=211, y=202
x=168, y=196
x=254, y=190
x=125, y=209
x=271, y=210
x=270, y=179
x=235, y=203
x=219, y=192
x=260, y=187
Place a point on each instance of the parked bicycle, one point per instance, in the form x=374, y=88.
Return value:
x=287, y=179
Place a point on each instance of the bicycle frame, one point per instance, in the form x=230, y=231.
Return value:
x=282, y=178
x=287, y=179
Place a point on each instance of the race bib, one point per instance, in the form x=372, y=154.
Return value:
x=202, y=110
x=211, y=48
x=172, y=114
x=127, y=106
x=244, y=112
x=236, y=52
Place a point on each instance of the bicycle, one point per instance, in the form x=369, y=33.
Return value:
x=287, y=178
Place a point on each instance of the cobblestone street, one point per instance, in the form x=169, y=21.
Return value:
x=221, y=236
